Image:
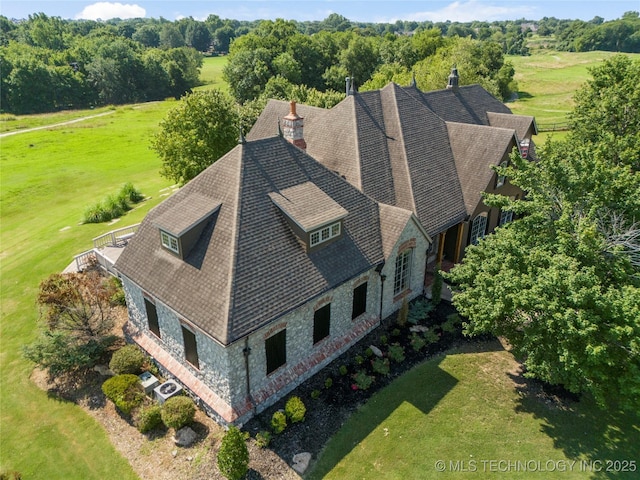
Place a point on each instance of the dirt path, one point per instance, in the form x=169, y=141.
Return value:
x=43, y=127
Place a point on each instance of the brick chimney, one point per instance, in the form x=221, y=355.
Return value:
x=292, y=127
x=453, y=79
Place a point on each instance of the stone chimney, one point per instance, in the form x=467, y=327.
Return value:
x=350, y=86
x=453, y=79
x=292, y=127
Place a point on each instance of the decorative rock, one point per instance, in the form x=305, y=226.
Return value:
x=104, y=370
x=301, y=462
x=418, y=328
x=376, y=351
x=185, y=437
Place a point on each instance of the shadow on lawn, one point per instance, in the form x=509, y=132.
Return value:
x=423, y=387
x=607, y=442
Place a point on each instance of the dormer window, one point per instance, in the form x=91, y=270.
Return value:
x=312, y=214
x=324, y=234
x=170, y=242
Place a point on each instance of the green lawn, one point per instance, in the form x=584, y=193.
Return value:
x=211, y=73
x=465, y=409
x=547, y=81
x=48, y=179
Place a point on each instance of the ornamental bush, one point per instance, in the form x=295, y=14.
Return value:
x=343, y=370
x=178, y=411
x=381, y=366
x=363, y=381
x=278, y=422
x=233, y=456
x=128, y=359
x=263, y=439
x=396, y=353
x=328, y=382
x=295, y=410
x=148, y=418
x=417, y=342
x=125, y=391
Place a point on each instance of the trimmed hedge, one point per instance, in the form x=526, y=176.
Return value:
x=178, y=411
x=125, y=391
x=295, y=410
x=233, y=456
x=148, y=418
x=128, y=359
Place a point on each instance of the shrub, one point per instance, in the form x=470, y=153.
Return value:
x=233, y=456
x=263, y=439
x=125, y=391
x=368, y=352
x=431, y=337
x=128, y=359
x=328, y=382
x=381, y=366
x=117, y=297
x=359, y=359
x=12, y=475
x=178, y=411
x=343, y=370
x=403, y=314
x=396, y=353
x=451, y=324
x=129, y=192
x=148, y=418
x=315, y=394
x=419, y=311
x=295, y=409
x=417, y=342
x=395, y=332
x=278, y=422
x=383, y=339
x=363, y=381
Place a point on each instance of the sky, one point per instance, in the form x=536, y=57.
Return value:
x=376, y=11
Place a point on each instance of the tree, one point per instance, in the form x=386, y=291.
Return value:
x=562, y=284
x=78, y=322
x=233, y=456
x=196, y=133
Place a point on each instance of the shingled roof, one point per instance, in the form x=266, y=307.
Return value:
x=476, y=148
x=248, y=267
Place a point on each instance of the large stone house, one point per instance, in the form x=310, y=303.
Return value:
x=298, y=242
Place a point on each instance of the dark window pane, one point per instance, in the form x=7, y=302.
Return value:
x=359, y=300
x=321, y=323
x=276, y=348
x=152, y=317
x=190, y=347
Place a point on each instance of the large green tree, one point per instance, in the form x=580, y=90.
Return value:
x=196, y=133
x=562, y=284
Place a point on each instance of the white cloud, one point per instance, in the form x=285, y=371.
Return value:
x=470, y=11
x=107, y=10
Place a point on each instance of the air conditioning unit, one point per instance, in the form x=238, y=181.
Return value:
x=149, y=382
x=168, y=389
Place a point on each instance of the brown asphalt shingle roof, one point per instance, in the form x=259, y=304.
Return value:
x=520, y=123
x=476, y=148
x=248, y=267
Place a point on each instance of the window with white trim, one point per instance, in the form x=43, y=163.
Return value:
x=325, y=233
x=506, y=216
x=170, y=242
x=478, y=228
x=403, y=271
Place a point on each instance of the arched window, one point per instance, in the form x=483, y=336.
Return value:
x=478, y=228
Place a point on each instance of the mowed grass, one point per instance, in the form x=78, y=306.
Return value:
x=49, y=177
x=211, y=74
x=10, y=122
x=548, y=80
x=460, y=414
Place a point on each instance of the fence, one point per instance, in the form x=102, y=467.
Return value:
x=553, y=127
x=115, y=238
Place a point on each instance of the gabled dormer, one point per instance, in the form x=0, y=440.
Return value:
x=312, y=214
x=180, y=227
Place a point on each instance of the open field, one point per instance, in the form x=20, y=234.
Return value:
x=467, y=409
x=211, y=74
x=547, y=81
x=48, y=179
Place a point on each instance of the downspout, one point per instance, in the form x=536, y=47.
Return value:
x=382, y=279
x=246, y=352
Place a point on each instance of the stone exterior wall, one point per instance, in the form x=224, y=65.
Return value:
x=412, y=237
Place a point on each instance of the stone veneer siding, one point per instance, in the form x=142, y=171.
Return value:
x=220, y=382
x=411, y=237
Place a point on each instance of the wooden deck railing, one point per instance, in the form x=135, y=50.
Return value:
x=116, y=238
